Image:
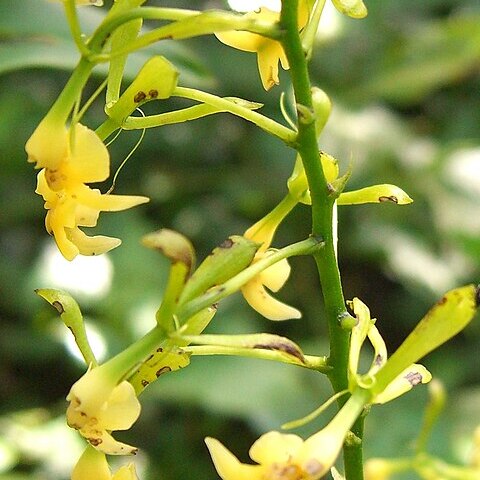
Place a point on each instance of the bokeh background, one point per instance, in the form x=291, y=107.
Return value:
x=405, y=83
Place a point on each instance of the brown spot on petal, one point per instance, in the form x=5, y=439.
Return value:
x=145, y=383
x=159, y=349
x=414, y=378
x=282, y=471
x=390, y=199
x=378, y=360
x=313, y=467
x=442, y=301
x=165, y=369
x=58, y=307
x=95, y=442
x=153, y=93
x=139, y=97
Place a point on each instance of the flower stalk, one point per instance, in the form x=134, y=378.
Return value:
x=322, y=216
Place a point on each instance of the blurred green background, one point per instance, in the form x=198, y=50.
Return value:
x=405, y=83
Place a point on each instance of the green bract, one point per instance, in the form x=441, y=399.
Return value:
x=448, y=317
x=156, y=80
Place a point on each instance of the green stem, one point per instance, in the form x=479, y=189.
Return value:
x=74, y=24
x=322, y=212
x=112, y=22
x=191, y=25
x=136, y=353
x=311, y=362
x=176, y=281
x=265, y=123
x=209, y=105
x=70, y=94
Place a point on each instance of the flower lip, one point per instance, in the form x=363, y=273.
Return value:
x=98, y=405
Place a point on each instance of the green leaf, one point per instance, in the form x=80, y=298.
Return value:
x=41, y=38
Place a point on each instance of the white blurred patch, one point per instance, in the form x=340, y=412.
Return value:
x=33, y=435
x=96, y=340
x=330, y=23
x=142, y=318
x=84, y=276
x=463, y=170
x=411, y=260
x=8, y=456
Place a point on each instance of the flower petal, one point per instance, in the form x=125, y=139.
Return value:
x=44, y=189
x=228, y=466
x=268, y=56
x=89, y=160
x=352, y=8
x=122, y=408
x=385, y=193
x=258, y=298
x=127, y=472
x=104, y=442
x=48, y=145
x=409, y=378
x=91, y=245
x=107, y=203
x=91, y=465
x=86, y=216
x=380, y=350
x=275, y=447
x=359, y=334
x=275, y=276
x=246, y=41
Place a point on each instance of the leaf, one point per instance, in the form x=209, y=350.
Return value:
x=41, y=38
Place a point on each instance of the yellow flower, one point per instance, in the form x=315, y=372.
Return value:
x=283, y=456
x=93, y=465
x=269, y=52
x=98, y=406
x=61, y=182
x=414, y=374
x=278, y=456
x=273, y=277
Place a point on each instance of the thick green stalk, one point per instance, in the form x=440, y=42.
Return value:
x=322, y=208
